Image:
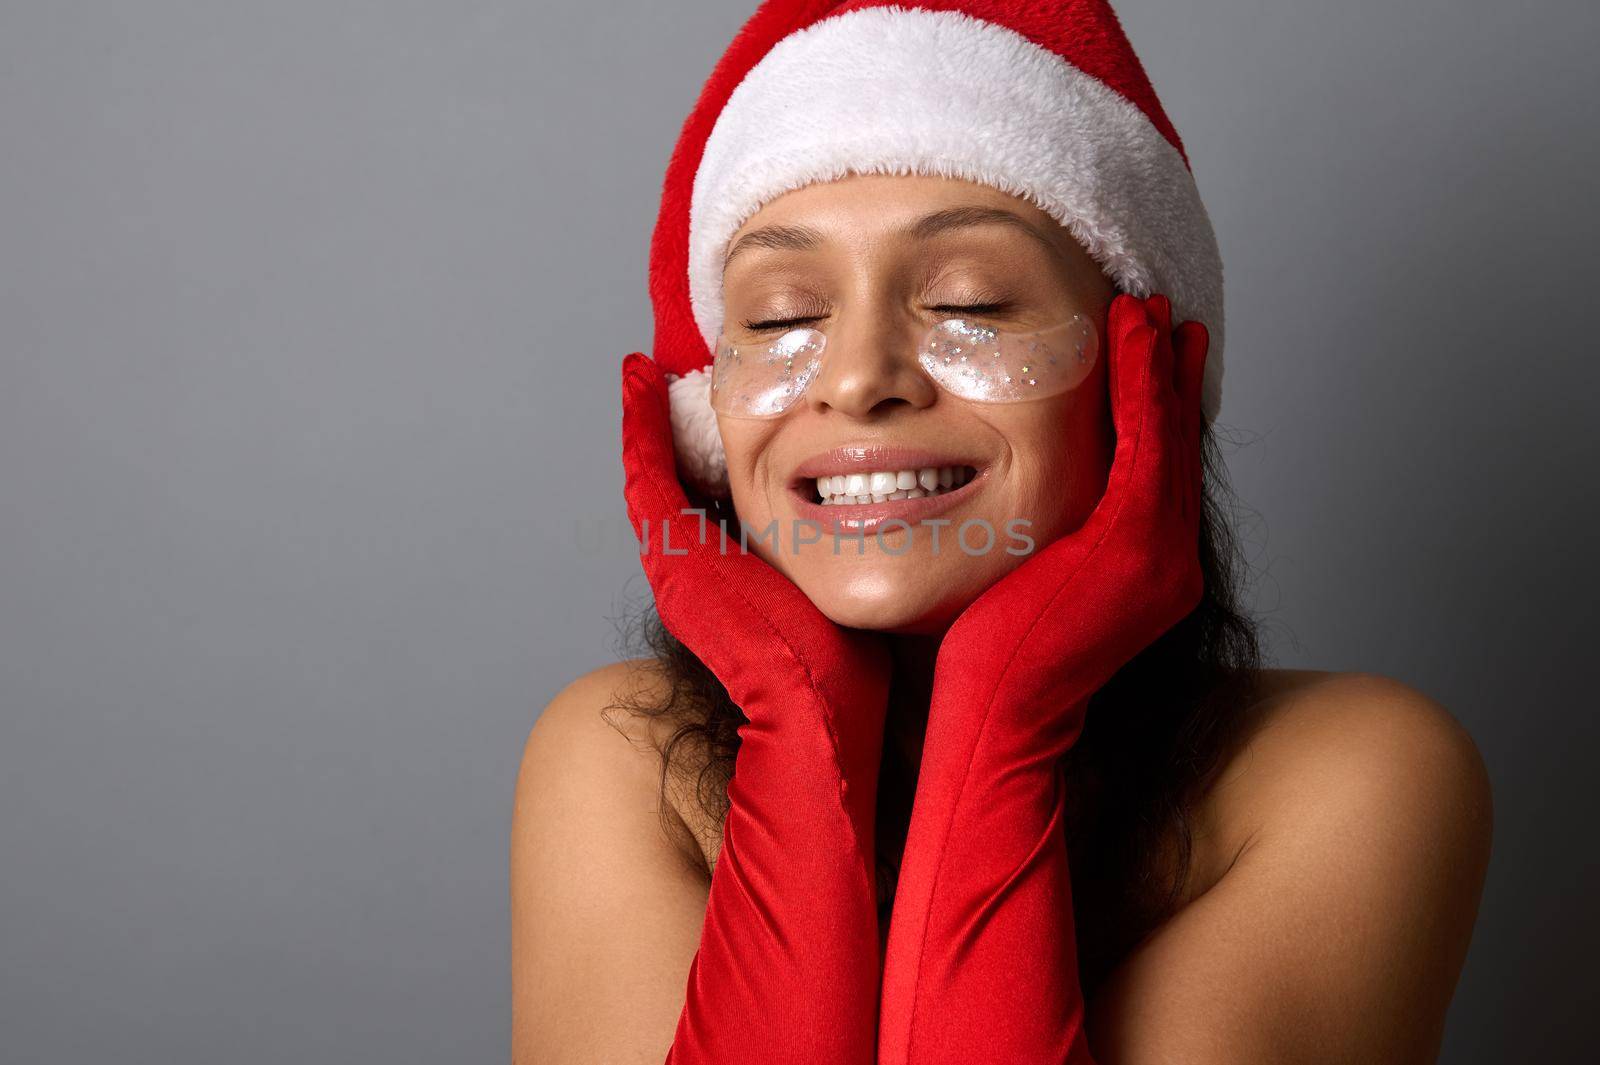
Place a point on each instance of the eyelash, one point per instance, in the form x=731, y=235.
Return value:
x=967, y=308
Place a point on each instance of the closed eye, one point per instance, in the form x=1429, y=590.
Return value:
x=776, y=323
x=957, y=308
x=973, y=308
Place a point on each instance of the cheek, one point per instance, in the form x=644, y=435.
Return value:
x=1060, y=455
x=748, y=444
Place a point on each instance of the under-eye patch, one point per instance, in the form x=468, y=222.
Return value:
x=970, y=360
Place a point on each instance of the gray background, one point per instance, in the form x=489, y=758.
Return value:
x=310, y=317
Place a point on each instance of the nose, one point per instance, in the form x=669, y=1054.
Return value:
x=870, y=368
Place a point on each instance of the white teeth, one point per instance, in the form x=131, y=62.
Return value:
x=880, y=486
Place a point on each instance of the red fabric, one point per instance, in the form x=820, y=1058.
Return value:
x=678, y=344
x=1086, y=33
x=982, y=958
x=788, y=964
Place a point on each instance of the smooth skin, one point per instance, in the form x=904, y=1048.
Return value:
x=1340, y=852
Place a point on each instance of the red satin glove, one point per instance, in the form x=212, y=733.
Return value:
x=788, y=964
x=982, y=960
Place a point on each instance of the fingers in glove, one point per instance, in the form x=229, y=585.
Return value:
x=1128, y=365
x=651, y=485
x=1152, y=467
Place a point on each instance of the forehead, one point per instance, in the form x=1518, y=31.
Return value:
x=874, y=210
x=885, y=201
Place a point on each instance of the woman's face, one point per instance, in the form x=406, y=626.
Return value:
x=850, y=259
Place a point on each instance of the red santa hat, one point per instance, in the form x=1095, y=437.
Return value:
x=1045, y=100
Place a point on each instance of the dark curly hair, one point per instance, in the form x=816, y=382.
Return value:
x=1151, y=740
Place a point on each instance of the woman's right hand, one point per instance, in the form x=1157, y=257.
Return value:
x=788, y=964
x=774, y=651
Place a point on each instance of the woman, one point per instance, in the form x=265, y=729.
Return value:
x=955, y=745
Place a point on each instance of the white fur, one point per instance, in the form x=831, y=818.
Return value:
x=696, y=439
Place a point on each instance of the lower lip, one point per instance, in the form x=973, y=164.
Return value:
x=859, y=518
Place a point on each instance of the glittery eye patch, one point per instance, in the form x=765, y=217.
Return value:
x=969, y=360
x=988, y=365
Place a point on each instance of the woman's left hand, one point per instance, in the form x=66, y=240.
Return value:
x=982, y=959
x=1054, y=630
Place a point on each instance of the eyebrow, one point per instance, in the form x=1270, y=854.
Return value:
x=804, y=238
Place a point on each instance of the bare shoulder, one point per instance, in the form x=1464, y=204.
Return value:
x=588, y=743
x=1341, y=851
x=607, y=898
x=586, y=709
x=1326, y=748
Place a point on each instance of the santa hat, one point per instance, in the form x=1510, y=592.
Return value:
x=1044, y=100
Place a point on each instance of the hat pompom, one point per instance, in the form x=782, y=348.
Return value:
x=702, y=463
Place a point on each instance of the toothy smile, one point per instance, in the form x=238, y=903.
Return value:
x=880, y=486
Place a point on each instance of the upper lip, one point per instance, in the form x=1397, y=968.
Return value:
x=864, y=458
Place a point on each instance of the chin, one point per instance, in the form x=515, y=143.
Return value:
x=909, y=597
